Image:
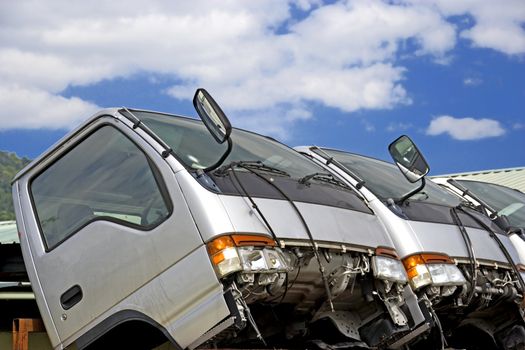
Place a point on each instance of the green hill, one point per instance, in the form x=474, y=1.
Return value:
x=10, y=164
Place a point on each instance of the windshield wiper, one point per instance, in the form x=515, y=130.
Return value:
x=466, y=192
x=329, y=160
x=324, y=177
x=254, y=165
x=137, y=123
x=418, y=197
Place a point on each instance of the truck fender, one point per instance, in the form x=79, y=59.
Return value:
x=122, y=325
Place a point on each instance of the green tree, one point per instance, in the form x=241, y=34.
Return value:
x=10, y=164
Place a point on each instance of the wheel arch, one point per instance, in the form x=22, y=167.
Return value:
x=126, y=326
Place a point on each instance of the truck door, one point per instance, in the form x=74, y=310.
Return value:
x=110, y=218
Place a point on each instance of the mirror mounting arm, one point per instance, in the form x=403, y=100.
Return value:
x=223, y=157
x=215, y=121
x=401, y=200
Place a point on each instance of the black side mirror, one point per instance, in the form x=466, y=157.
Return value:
x=212, y=115
x=408, y=158
x=517, y=230
x=503, y=222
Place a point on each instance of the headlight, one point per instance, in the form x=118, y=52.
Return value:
x=276, y=260
x=262, y=260
x=246, y=253
x=419, y=276
x=252, y=260
x=224, y=256
x=388, y=269
x=446, y=275
x=435, y=269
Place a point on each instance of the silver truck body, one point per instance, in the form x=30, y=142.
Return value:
x=135, y=257
x=116, y=267
x=419, y=228
x=500, y=198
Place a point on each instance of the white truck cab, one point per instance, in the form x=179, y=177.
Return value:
x=162, y=227
x=503, y=205
x=455, y=258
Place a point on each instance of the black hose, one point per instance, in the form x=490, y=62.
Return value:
x=440, y=329
x=501, y=245
x=472, y=257
x=312, y=241
x=254, y=205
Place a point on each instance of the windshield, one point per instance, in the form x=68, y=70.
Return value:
x=504, y=200
x=386, y=181
x=196, y=148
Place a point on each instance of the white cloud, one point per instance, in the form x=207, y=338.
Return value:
x=472, y=81
x=399, y=127
x=252, y=55
x=465, y=128
x=36, y=109
x=46, y=71
x=307, y=5
x=369, y=127
x=498, y=25
x=363, y=32
x=504, y=37
x=276, y=121
x=347, y=89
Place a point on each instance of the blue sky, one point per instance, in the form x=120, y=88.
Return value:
x=349, y=74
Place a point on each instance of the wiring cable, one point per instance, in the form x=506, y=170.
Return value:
x=500, y=244
x=440, y=329
x=248, y=167
x=307, y=228
x=472, y=257
x=254, y=205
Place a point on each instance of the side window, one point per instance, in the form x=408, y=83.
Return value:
x=105, y=177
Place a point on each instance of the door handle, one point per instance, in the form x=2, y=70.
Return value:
x=71, y=297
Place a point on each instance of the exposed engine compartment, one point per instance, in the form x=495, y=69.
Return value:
x=485, y=316
x=290, y=303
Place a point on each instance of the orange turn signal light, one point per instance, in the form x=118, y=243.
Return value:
x=413, y=261
x=419, y=259
x=252, y=240
x=437, y=259
x=217, y=258
x=388, y=252
x=219, y=244
x=224, y=254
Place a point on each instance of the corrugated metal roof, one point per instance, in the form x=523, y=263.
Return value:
x=510, y=177
x=8, y=232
